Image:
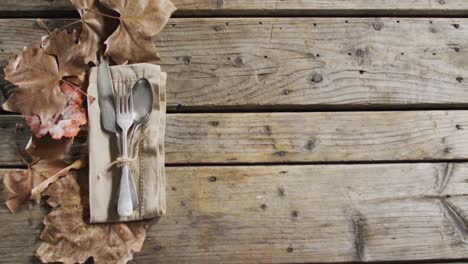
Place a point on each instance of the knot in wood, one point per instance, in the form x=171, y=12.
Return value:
x=316, y=78
x=360, y=53
x=378, y=25
x=219, y=3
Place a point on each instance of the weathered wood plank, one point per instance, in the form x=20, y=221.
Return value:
x=308, y=63
x=300, y=137
x=240, y=7
x=294, y=214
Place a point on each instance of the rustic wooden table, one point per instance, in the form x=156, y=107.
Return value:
x=294, y=137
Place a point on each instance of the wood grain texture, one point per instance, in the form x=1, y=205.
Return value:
x=294, y=214
x=299, y=137
x=240, y=7
x=301, y=63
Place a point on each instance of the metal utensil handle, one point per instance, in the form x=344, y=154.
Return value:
x=125, y=206
x=133, y=191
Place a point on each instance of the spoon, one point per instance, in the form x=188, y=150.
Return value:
x=142, y=108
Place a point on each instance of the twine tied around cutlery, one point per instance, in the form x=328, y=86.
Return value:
x=122, y=161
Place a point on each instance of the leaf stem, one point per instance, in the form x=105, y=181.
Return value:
x=78, y=87
x=102, y=14
x=41, y=23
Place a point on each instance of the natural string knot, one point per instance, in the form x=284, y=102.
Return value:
x=122, y=161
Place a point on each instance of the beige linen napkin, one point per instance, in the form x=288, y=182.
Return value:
x=148, y=168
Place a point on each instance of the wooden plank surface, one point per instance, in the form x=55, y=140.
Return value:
x=298, y=137
x=242, y=7
x=294, y=214
x=301, y=63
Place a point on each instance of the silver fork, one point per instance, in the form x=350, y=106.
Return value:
x=124, y=116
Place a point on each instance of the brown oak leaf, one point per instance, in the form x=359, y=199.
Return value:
x=138, y=22
x=68, y=238
x=95, y=27
x=47, y=166
x=38, y=79
x=69, y=54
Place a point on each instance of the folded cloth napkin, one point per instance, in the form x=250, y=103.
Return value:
x=147, y=169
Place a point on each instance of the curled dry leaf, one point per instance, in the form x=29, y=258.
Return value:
x=95, y=27
x=68, y=238
x=48, y=155
x=66, y=123
x=139, y=21
x=37, y=76
x=69, y=55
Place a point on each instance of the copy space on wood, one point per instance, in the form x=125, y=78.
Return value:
x=301, y=63
x=292, y=214
x=296, y=137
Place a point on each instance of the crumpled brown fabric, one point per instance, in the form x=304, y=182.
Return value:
x=67, y=238
x=148, y=170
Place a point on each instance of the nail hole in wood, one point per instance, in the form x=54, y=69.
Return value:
x=281, y=191
x=214, y=123
x=295, y=214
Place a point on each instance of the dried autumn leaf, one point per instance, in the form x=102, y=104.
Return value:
x=38, y=79
x=68, y=238
x=95, y=27
x=47, y=164
x=66, y=123
x=139, y=21
x=69, y=55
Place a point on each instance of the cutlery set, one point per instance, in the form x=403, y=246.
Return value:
x=124, y=108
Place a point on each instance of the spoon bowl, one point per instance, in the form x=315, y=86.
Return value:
x=143, y=97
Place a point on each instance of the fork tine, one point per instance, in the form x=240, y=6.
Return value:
x=120, y=98
x=126, y=96
x=117, y=98
x=130, y=91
